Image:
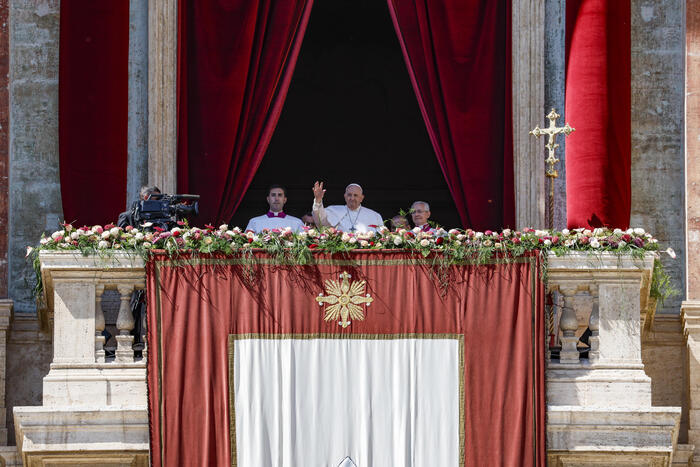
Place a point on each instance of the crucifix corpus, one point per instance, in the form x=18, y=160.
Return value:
x=550, y=172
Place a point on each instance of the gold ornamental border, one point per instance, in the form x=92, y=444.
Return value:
x=232, y=338
x=334, y=262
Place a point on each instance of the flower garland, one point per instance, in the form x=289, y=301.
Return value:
x=449, y=246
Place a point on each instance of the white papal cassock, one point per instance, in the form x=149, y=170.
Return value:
x=343, y=218
x=274, y=220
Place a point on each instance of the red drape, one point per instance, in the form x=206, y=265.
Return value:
x=458, y=56
x=598, y=97
x=195, y=304
x=92, y=109
x=236, y=60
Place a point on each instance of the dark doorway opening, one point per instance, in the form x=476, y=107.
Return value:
x=351, y=116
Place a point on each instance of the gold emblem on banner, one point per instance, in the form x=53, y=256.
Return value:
x=344, y=300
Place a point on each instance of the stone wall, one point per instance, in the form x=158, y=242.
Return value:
x=658, y=56
x=35, y=196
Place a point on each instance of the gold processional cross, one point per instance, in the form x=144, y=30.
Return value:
x=550, y=172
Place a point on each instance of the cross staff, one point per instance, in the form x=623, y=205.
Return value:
x=550, y=172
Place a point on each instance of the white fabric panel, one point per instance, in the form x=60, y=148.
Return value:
x=314, y=402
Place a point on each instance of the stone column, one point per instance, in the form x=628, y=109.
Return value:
x=690, y=309
x=5, y=313
x=554, y=93
x=528, y=101
x=137, y=169
x=4, y=144
x=162, y=98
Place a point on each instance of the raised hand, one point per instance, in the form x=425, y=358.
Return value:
x=318, y=191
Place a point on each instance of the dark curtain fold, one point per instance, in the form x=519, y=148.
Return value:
x=458, y=56
x=93, y=80
x=598, y=94
x=235, y=64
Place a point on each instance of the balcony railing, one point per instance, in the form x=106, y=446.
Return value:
x=596, y=406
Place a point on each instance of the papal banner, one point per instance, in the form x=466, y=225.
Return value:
x=364, y=359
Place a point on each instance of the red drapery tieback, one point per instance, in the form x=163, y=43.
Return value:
x=598, y=105
x=93, y=80
x=458, y=55
x=235, y=64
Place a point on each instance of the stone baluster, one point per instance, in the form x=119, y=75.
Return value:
x=594, y=326
x=99, y=324
x=568, y=325
x=125, y=323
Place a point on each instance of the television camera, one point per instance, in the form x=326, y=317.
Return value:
x=165, y=210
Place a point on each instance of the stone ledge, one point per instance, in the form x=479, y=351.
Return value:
x=652, y=430
x=84, y=429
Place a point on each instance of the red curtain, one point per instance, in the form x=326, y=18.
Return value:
x=93, y=81
x=196, y=304
x=598, y=97
x=458, y=55
x=236, y=59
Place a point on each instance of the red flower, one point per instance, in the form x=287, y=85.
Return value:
x=158, y=229
x=180, y=223
x=555, y=239
x=626, y=237
x=488, y=233
x=583, y=240
x=516, y=240
x=109, y=226
x=209, y=226
x=373, y=226
x=439, y=240
x=312, y=246
x=176, y=233
x=250, y=240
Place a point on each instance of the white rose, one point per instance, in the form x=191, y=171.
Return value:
x=416, y=230
x=313, y=232
x=302, y=234
x=74, y=235
x=138, y=236
x=587, y=232
x=371, y=234
x=114, y=231
x=352, y=240
x=453, y=232
x=565, y=232
x=103, y=244
x=364, y=243
x=223, y=227
x=397, y=240
x=456, y=243
x=237, y=229
x=506, y=232
x=147, y=244
x=540, y=233
x=622, y=243
x=598, y=231
x=639, y=231
x=289, y=244
x=629, y=231
x=568, y=242
x=57, y=234
x=105, y=234
x=345, y=237
x=440, y=232
x=594, y=243
x=547, y=242
x=461, y=237
x=617, y=231
x=479, y=234
x=230, y=233
x=425, y=242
